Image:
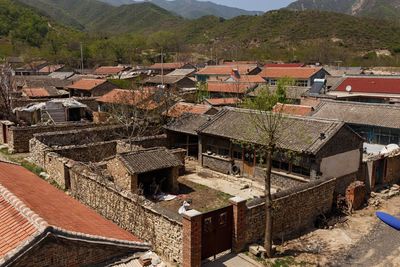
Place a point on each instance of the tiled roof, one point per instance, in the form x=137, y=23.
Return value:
x=222, y=101
x=165, y=79
x=292, y=92
x=109, y=70
x=15, y=229
x=181, y=72
x=167, y=66
x=226, y=69
x=296, y=73
x=290, y=109
x=87, y=84
x=381, y=115
x=284, y=65
x=180, y=108
x=40, y=81
x=300, y=134
x=50, y=68
x=249, y=79
x=382, y=85
x=148, y=160
x=54, y=207
x=141, y=98
x=43, y=92
x=187, y=123
x=240, y=62
x=229, y=87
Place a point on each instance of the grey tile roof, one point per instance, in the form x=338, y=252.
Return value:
x=292, y=92
x=382, y=115
x=167, y=79
x=40, y=81
x=300, y=134
x=181, y=72
x=187, y=123
x=142, y=161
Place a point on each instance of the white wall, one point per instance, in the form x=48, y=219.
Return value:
x=340, y=164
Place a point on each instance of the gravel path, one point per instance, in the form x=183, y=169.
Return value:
x=381, y=247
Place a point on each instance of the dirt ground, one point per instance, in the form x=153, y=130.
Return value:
x=348, y=243
x=202, y=198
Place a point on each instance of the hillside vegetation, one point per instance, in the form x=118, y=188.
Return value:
x=96, y=16
x=380, y=9
x=119, y=37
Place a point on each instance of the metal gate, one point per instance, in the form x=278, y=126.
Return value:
x=216, y=232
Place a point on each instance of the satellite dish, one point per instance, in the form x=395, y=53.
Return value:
x=348, y=88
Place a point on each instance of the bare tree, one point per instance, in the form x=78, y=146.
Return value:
x=7, y=87
x=267, y=125
x=138, y=110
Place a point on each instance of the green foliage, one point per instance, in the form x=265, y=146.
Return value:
x=202, y=92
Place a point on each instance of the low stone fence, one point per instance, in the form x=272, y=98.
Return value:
x=164, y=231
x=295, y=210
x=19, y=136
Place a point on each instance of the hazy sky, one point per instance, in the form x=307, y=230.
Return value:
x=254, y=4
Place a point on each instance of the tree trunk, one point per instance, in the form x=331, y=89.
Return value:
x=268, y=206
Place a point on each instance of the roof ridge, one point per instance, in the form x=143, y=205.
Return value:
x=324, y=101
x=24, y=210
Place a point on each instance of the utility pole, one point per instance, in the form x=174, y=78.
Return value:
x=81, y=57
x=162, y=67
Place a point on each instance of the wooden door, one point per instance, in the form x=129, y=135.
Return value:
x=248, y=162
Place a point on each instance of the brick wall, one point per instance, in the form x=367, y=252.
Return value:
x=278, y=180
x=57, y=251
x=295, y=210
x=19, y=136
x=162, y=230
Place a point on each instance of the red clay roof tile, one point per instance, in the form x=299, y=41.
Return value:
x=386, y=85
x=295, y=73
x=54, y=206
x=86, y=84
x=109, y=70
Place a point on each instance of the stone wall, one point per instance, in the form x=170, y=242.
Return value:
x=295, y=210
x=144, y=142
x=278, y=180
x=19, y=136
x=217, y=163
x=56, y=251
x=162, y=230
x=95, y=152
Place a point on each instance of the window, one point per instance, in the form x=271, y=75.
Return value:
x=272, y=82
x=303, y=83
x=237, y=154
x=280, y=165
x=301, y=170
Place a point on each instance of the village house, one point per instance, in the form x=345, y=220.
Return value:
x=42, y=226
x=302, y=76
x=221, y=102
x=290, y=109
x=284, y=65
x=165, y=68
x=182, y=132
x=46, y=70
x=52, y=112
x=35, y=81
x=181, y=108
x=149, y=102
x=224, y=72
x=376, y=123
x=151, y=171
x=307, y=149
x=62, y=75
x=90, y=87
x=43, y=93
x=31, y=68
x=217, y=89
x=174, y=83
x=370, y=89
x=381, y=165
x=109, y=71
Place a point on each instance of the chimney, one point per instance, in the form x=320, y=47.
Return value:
x=235, y=73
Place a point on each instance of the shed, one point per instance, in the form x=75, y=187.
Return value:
x=151, y=170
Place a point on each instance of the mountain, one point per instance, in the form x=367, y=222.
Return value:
x=96, y=16
x=381, y=9
x=192, y=9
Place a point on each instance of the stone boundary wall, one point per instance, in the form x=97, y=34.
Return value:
x=295, y=210
x=19, y=136
x=144, y=142
x=164, y=231
x=95, y=133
